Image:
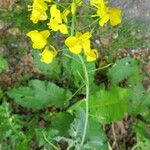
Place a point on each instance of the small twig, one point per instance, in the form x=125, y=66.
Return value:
x=76, y=92
x=135, y=146
x=114, y=136
x=72, y=58
x=109, y=146
x=100, y=68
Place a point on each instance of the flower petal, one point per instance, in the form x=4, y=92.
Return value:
x=86, y=36
x=39, y=41
x=86, y=46
x=92, y=55
x=47, y=56
x=63, y=29
x=73, y=44
x=45, y=34
x=115, y=16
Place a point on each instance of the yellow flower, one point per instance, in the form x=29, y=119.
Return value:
x=106, y=13
x=78, y=42
x=92, y=55
x=81, y=42
x=39, y=8
x=56, y=20
x=39, y=39
x=48, y=55
x=115, y=16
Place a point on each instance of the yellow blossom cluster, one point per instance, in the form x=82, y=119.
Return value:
x=81, y=42
x=38, y=8
x=78, y=43
x=56, y=20
x=106, y=13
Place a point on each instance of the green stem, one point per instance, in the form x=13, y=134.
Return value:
x=51, y=144
x=86, y=83
x=136, y=146
x=104, y=67
x=86, y=100
x=73, y=24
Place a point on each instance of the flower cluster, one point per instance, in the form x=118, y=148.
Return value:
x=106, y=13
x=80, y=42
x=38, y=8
x=56, y=20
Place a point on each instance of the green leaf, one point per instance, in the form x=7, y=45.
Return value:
x=3, y=9
x=62, y=122
x=142, y=134
x=11, y=128
x=108, y=105
x=40, y=94
x=95, y=137
x=24, y=145
x=123, y=69
x=3, y=64
x=139, y=100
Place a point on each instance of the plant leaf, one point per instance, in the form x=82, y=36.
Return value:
x=123, y=69
x=95, y=137
x=139, y=100
x=108, y=105
x=62, y=122
x=3, y=64
x=40, y=94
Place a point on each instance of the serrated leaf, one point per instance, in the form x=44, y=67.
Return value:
x=108, y=105
x=123, y=69
x=40, y=94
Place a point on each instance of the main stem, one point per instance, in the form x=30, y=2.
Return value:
x=86, y=83
x=86, y=101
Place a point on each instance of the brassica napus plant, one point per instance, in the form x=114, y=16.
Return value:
x=73, y=83
x=78, y=43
